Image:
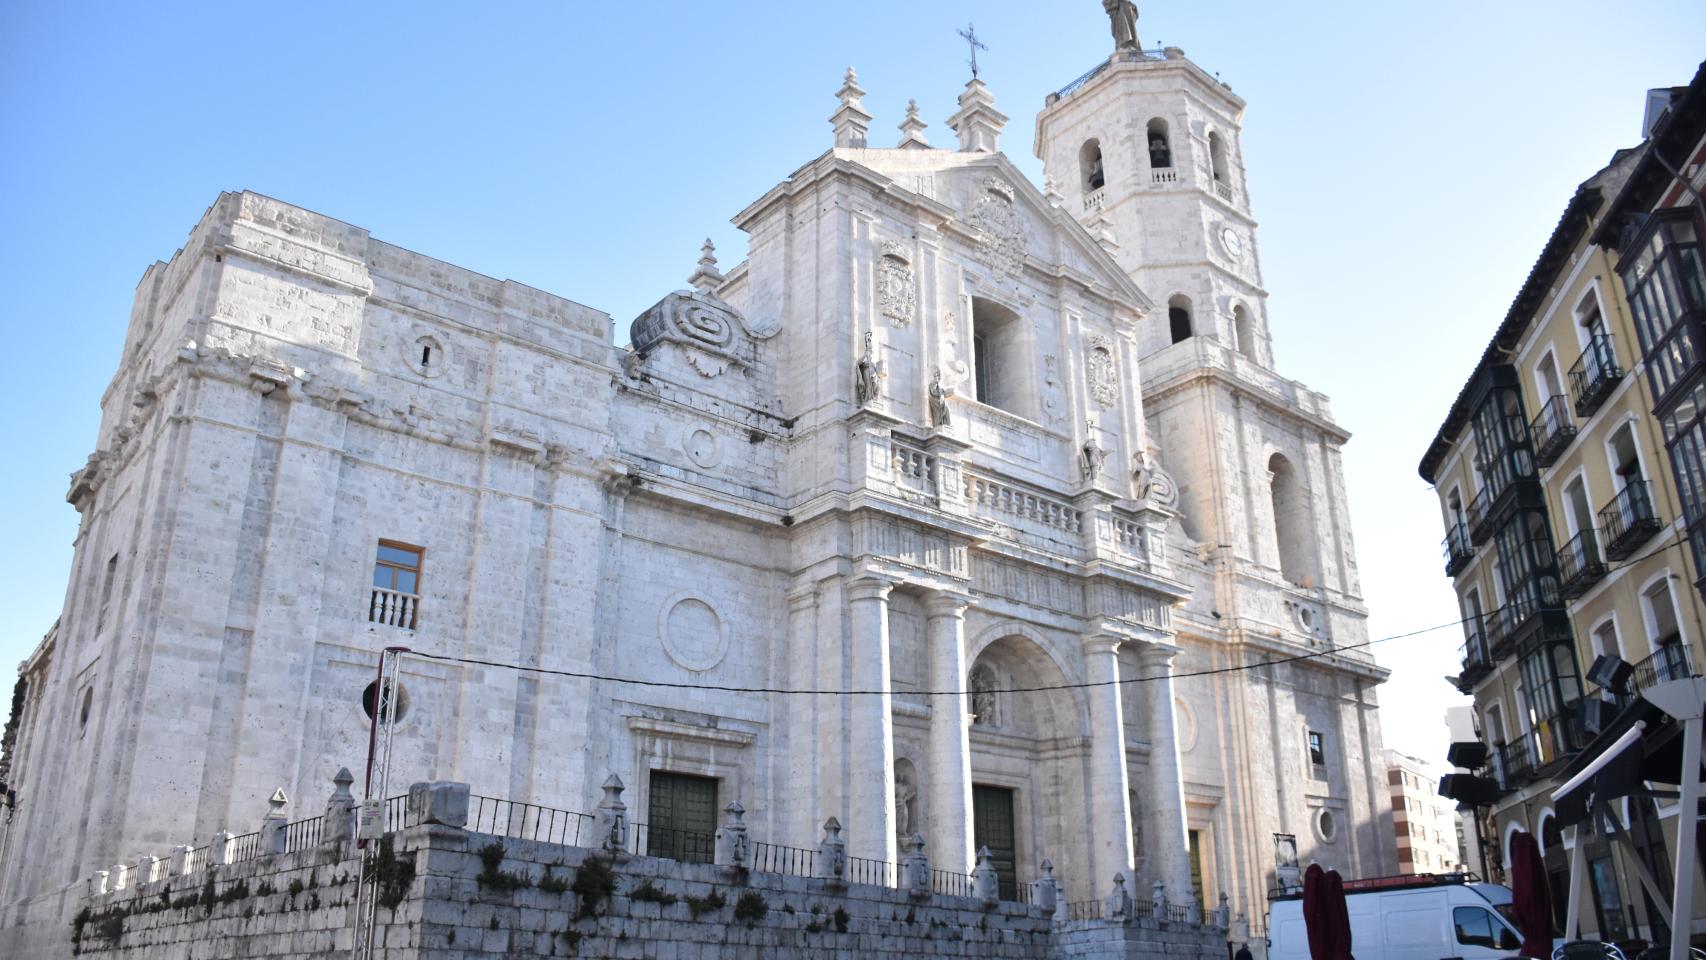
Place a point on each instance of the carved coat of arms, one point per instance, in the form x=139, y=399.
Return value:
x=1100, y=369
x=1000, y=232
x=897, y=286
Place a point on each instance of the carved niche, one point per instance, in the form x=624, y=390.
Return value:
x=1000, y=232
x=1101, y=371
x=897, y=285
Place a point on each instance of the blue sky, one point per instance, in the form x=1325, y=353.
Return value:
x=1406, y=162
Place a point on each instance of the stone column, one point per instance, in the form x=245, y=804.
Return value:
x=948, y=774
x=870, y=727
x=1110, y=804
x=1166, y=795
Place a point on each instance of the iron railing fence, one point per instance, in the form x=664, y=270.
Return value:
x=788, y=861
x=529, y=821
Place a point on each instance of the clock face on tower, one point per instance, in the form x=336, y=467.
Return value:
x=1233, y=243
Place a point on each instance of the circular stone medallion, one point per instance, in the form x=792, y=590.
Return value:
x=702, y=448
x=692, y=633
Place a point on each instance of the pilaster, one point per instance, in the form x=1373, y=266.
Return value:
x=1110, y=803
x=949, y=777
x=870, y=729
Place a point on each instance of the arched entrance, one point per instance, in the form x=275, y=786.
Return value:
x=1028, y=759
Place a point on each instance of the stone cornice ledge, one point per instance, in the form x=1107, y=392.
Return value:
x=686, y=731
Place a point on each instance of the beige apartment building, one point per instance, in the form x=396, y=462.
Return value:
x=1425, y=822
x=1567, y=539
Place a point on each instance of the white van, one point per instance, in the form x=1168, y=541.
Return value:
x=1428, y=917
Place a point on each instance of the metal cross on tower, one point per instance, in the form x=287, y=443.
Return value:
x=969, y=35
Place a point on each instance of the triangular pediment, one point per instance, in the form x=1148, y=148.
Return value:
x=974, y=185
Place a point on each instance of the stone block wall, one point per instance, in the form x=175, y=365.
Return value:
x=449, y=893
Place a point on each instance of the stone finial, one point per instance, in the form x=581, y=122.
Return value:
x=1048, y=890
x=340, y=810
x=1118, y=904
x=977, y=123
x=985, y=883
x=1158, y=901
x=731, y=842
x=146, y=867
x=613, y=815
x=1051, y=190
x=852, y=124
x=912, y=129
x=1222, y=916
x=832, y=854
x=120, y=876
x=707, y=278
x=915, y=869
x=273, y=835
x=100, y=880
x=180, y=864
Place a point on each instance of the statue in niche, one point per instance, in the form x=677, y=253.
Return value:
x=905, y=802
x=1122, y=16
x=940, y=415
x=1091, y=455
x=865, y=376
x=983, y=702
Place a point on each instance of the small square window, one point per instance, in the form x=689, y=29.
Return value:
x=1317, y=750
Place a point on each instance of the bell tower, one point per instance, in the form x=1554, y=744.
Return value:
x=1145, y=151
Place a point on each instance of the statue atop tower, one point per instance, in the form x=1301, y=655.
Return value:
x=1122, y=14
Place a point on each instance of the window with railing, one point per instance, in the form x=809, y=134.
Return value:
x=1579, y=563
x=1628, y=519
x=395, y=600
x=1685, y=441
x=1594, y=374
x=1551, y=430
x=1551, y=687
x=1458, y=551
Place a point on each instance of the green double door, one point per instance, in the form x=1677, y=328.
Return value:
x=992, y=826
x=681, y=817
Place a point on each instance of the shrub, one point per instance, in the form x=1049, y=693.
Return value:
x=711, y=901
x=651, y=894
x=491, y=857
x=751, y=907
x=594, y=883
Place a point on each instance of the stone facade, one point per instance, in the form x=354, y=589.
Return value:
x=929, y=436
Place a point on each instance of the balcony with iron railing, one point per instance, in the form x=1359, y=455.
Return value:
x=1515, y=763
x=1529, y=604
x=1477, y=518
x=1594, y=374
x=1670, y=660
x=1476, y=655
x=1580, y=565
x=1458, y=550
x=1628, y=520
x=1551, y=431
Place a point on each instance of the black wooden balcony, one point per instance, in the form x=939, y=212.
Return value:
x=1580, y=565
x=1551, y=431
x=1628, y=520
x=1594, y=375
x=1458, y=550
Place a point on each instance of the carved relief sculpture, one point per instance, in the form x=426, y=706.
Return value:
x=897, y=286
x=983, y=700
x=1000, y=233
x=1099, y=367
x=1153, y=482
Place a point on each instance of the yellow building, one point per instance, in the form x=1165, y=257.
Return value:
x=1567, y=541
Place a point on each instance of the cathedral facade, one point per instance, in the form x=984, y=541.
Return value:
x=961, y=508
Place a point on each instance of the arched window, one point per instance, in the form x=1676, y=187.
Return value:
x=1291, y=522
x=985, y=708
x=1090, y=166
x=1243, y=331
x=1179, y=318
x=1160, y=149
x=1217, y=157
